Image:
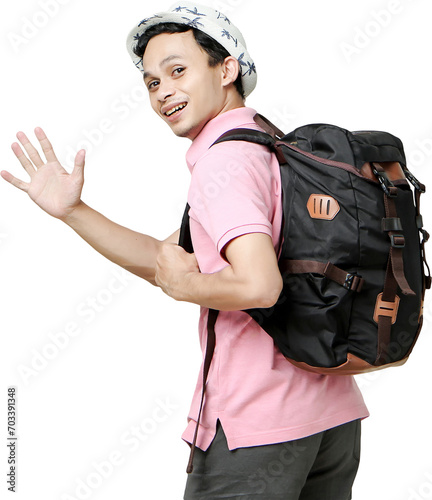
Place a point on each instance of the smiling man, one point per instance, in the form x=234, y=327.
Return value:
x=261, y=413
x=180, y=92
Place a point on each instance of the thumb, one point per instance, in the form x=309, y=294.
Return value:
x=78, y=170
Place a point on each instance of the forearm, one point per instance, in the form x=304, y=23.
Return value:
x=252, y=278
x=225, y=291
x=131, y=250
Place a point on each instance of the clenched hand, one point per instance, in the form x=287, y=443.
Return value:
x=174, y=267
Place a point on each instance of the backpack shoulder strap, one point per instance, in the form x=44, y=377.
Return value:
x=239, y=134
x=268, y=126
x=185, y=240
x=255, y=136
x=247, y=135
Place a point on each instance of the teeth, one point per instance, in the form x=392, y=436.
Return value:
x=177, y=108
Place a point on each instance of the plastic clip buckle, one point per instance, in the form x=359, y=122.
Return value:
x=385, y=182
x=415, y=182
x=353, y=282
x=425, y=235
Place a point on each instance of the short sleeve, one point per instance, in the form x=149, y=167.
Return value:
x=232, y=190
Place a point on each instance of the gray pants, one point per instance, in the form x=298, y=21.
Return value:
x=318, y=467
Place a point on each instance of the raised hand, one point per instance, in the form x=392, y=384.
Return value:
x=52, y=188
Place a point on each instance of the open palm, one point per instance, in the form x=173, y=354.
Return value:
x=50, y=186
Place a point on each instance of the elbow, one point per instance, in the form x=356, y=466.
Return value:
x=268, y=295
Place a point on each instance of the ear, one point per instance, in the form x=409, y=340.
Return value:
x=230, y=70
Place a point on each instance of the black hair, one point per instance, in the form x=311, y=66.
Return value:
x=215, y=51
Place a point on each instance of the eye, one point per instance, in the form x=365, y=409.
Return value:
x=178, y=71
x=152, y=84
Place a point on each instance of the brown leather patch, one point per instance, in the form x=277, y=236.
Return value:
x=321, y=206
x=353, y=366
x=383, y=308
x=392, y=169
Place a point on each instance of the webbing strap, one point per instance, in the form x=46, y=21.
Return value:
x=425, y=238
x=211, y=343
x=268, y=126
x=384, y=337
x=397, y=243
x=186, y=242
x=350, y=281
x=385, y=322
x=248, y=135
x=394, y=276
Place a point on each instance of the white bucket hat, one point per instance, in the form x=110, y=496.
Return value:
x=210, y=21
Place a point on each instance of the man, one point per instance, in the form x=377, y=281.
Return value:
x=260, y=411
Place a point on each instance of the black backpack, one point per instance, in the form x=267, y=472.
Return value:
x=352, y=257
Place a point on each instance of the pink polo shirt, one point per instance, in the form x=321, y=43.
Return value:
x=258, y=396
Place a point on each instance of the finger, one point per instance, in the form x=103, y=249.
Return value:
x=46, y=145
x=24, y=186
x=78, y=170
x=30, y=149
x=25, y=162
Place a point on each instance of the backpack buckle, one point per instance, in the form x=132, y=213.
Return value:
x=425, y=235
x=386, y=309
x=353, y=282
x=415, y=182
x=386, y=184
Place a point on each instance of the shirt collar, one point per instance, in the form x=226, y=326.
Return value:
x=235, y=118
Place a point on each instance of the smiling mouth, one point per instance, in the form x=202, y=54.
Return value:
x=176, y=109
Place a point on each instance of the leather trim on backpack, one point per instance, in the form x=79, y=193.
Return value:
x=309, y=157
x=353, y=366
x=393, y=170
x=389, y=309
x=321, y=206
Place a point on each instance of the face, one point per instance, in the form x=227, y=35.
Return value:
x=184, y=90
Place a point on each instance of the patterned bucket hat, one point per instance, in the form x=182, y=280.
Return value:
x=210, y=21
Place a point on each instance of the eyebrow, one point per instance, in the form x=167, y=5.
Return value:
x=164, y=62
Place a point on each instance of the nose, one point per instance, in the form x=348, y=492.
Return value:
x=165, y=91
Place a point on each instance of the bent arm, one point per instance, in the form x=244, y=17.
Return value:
x=59, y=194
x=252, y=278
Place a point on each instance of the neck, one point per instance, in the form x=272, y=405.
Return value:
x=233, y=101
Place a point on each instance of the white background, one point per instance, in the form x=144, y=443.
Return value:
x=134, y=361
